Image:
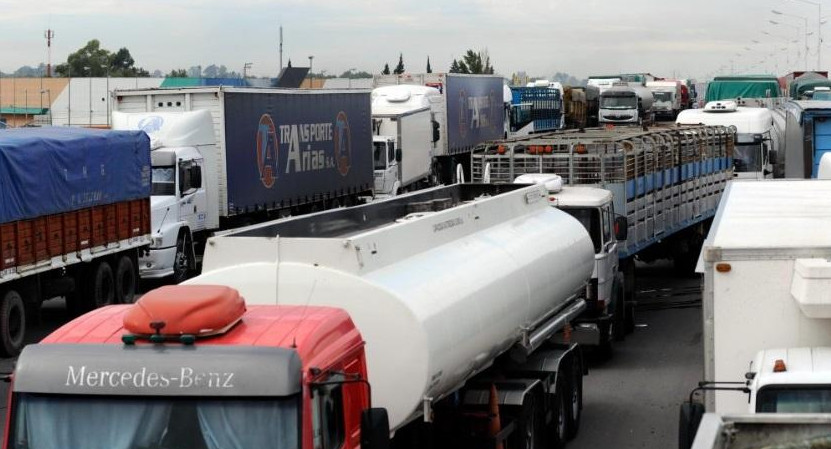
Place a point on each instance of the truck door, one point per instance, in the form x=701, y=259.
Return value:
x=606, y=261
x=192, y=196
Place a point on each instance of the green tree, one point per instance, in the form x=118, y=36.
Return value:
x=92, y=60
x=429, y=69
x=399, y=69
x=386, y=70
x=178, y=73
x=476, y=62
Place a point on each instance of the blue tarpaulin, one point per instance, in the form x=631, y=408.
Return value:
x=53, y=170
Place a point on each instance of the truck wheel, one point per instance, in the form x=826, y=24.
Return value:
x=575, y=410
x=126, y=280
x=12, y=324
x=184, y=259
x=559, y=434
x=102, y=289
x=529, y=434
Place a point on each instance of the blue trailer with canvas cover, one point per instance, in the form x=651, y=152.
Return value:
x=74, y=219
x=226, y=157
x=471, y=110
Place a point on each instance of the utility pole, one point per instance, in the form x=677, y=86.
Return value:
x=281, y=50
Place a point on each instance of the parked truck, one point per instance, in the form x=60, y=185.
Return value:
x=669, y=98
x=747, y=90
x=768, y=250
x=403, y=133
x=536, y=109
x=350, y=310
x=626, y=104
x=806, y=126
x=228, y=157
x=471, y=111
x=759, y=146
x=666, y=183
x=74, y=218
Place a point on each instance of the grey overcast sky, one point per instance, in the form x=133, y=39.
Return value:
x=581, y=37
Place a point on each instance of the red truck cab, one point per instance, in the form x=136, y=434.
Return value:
x=193, y=367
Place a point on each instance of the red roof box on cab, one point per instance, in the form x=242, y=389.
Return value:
x=200, y=310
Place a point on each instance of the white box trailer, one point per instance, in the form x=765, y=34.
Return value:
x=767, y=279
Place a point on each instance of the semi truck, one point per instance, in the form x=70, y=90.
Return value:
x=759, y=146
x=375, y=320
x=762, y=91
x=768, y=250
x=669, y=98
x=807, y=136
x=403, y=133
x=666, y=182
x=228, y=157
x=471, y=110
x=626, y=104
x=74, y=218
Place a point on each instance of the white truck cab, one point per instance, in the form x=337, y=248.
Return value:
x=757, y=144
x=594, y=208
x=182, y=145
x=404, y=134
x=791, y=380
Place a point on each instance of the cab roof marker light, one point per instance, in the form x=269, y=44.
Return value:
x=779, y=366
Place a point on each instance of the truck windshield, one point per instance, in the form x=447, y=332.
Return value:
x=590, y=218
x=747, y=157
x=801, y=399
x=609, y=102
x=117, y=422
x=379, y=155
x=662, y=96
x=164, y=180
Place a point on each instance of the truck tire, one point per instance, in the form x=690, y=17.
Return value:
x=560, y=405
x=529, y=433
x=575, y=396
x=102, y=286
x=126, y=280
x=183, y=261
x=12, y=324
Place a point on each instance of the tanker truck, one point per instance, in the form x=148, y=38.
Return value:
x=439, y=316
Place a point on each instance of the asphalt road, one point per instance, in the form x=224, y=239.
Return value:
x=631, y=400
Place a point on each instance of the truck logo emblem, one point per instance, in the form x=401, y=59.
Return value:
x=267, y=151
x=151, y=124
x=343, y=144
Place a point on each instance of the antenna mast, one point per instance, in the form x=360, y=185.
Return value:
x=281, y=50
x=49, y=34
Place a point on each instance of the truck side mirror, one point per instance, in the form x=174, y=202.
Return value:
x=196, y=177
x=621, y=228
x=398, y=155
x=375, y=429
x=436, y=132
x=688, y=421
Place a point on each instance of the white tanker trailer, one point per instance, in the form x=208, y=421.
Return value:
x=453, y=304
